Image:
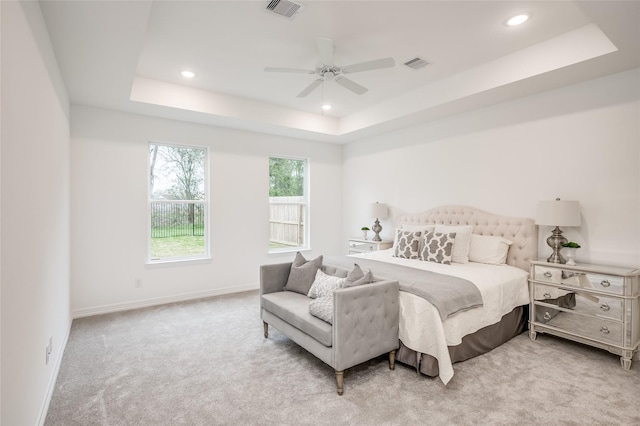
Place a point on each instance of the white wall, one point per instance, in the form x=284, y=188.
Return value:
x=577, y=143
x=109, y=209
x=35, y=214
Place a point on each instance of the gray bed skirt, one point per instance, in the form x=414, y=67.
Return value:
x=478, y=343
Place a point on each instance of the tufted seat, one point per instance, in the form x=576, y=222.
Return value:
x=365, y=320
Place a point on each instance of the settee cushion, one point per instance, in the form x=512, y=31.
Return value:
x=302, y=274
x=293, y=308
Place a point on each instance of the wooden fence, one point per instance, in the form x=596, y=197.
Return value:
x=286, y=221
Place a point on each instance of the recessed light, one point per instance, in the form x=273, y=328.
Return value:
x=188, y=74
x=518, y=19
x=326, y=107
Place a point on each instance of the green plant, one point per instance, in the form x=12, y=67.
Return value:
x=571, y=244
x=364, y=228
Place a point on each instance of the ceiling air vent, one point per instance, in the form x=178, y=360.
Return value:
x=416, y=63
x=285, y=8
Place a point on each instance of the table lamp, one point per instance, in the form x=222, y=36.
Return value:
x=557, y=213
x=379, y=211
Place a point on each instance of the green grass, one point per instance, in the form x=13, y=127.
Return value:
x=185, y=246
x=177, y=246
x=165, y=231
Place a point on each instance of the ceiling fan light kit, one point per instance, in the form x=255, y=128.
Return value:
x=327, y=71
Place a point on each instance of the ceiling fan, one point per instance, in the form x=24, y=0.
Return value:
x=327, y=71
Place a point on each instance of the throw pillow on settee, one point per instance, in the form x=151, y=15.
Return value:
x=302, y=274
x=324, y=286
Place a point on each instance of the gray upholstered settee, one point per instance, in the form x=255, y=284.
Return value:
x=365, y=320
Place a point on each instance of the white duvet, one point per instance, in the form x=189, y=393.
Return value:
x=502, y=287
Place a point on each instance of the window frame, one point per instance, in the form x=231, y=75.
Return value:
x=306, y=203
x=205, y=201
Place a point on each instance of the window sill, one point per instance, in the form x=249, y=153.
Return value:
x=288, y=250
x=178, y=262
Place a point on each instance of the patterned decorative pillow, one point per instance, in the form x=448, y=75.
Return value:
x=407, y=244
x=438, y=247
x=302, y=274
x=460, y=252
x=325, y=285
x=322, y=308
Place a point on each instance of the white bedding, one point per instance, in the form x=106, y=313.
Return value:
x=503, y=287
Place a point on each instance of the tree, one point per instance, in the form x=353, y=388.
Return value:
x=182, y=173
x=182, y=170
x=188, y=164
x=153, y=153
x=286, y=177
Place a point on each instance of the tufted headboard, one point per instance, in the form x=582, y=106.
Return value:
x=522, y=231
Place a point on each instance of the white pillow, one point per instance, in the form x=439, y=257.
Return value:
x=322, y=307
x=460, y=252
x=422, y=228
x=489, y=249
x=325, y=285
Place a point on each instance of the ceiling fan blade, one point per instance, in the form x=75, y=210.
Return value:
x=310, y=88
x=293, y=70
x=369, y=65
x=351, y=85
x=325, y=50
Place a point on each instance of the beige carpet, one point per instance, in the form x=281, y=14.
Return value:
x=206, y=362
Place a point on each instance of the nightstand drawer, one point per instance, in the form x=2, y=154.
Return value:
x=588, y=281
x=358, y=245
x=598, y=329
x=361, y=247
x=581, y=302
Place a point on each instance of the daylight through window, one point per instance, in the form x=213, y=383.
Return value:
x=178, y=209
x=288, y=204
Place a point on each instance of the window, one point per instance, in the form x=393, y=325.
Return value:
x=178, y=208
x=288, y=204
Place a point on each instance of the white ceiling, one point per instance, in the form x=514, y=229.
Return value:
x=127, y=55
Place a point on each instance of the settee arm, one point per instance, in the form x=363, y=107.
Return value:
x=365, y=322
x=274, y=277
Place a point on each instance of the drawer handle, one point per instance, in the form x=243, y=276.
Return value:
x=548, y=274
x=547, y=316
x=604, y=330
x=371, y=248
x=605, y=307
x=566, y=274
x=605, y=283
x=547, y=295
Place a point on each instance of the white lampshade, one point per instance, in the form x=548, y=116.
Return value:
x=378, y=211
x=558, y=213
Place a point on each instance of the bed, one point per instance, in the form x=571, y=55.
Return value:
x=431, y=343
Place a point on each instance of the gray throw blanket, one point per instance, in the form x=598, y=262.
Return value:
x=447, y=293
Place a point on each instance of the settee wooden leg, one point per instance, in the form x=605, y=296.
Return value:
x=339, y=381
x=266, y=329
x=392, y=360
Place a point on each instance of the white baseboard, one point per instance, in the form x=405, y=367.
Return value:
x=144, y=303
x=54, y=377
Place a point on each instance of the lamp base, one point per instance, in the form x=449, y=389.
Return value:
x=555, y=241
x=376, y=228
